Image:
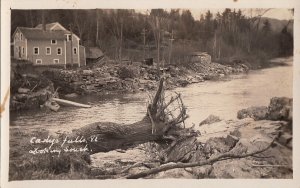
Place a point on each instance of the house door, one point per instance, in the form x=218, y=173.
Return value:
x=19, y=51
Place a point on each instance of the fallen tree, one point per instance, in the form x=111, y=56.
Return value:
x=160, y=123
x=178, y=146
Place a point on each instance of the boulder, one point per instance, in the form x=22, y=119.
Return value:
x=174, y=173
x=210, y=119
x=23, y=90
x=220, y=144
x=285, y=138
x=202, y=171
x=71, y=95
x=52, y=105
x=233, y=169
x=87, y=72
x=280, y=108
x=182, y=82
x=254, y=112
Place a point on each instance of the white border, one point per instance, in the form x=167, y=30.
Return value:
x=145, y=4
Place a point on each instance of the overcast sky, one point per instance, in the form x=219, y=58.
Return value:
x=281, y=14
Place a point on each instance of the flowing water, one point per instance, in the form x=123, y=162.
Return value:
x=221, y=98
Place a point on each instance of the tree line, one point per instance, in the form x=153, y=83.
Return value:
x=168, y=35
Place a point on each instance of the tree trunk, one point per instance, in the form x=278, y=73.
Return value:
x=107, y=136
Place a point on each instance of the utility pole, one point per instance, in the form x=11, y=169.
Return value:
x=97, y=25
x=121, y=40
x=71, y=45
x=144, y=40
x=158, y=43
x=215, y=45
x=171, y=45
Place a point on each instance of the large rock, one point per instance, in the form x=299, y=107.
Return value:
x=174, y=173
x=280, y=108
x=71, y=95
x=202, y=171
x=254, y=112
x=210, y=119
x=220, y=144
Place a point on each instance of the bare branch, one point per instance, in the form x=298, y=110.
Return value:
x=212, y=160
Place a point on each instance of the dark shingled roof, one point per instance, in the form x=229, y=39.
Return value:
x=35, y=33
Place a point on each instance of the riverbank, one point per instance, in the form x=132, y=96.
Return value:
x=29, y=83
x=110, y=77
x=215, y=137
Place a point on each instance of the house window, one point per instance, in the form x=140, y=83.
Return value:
x=36, y=50
x=75, y=51
x=69, y=37
x=23, y=50
x=21, y=36
x=59, y=51
x=53, y=41
x=38, y=61
x=48, y=51
x=55, y=60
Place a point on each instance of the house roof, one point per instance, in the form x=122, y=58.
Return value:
x=34, y=33
x=50, y=26
x=38, y=33
x=93, y=52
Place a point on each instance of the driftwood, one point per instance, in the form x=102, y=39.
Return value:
x=224, y=156
x=154, y=126
x=64, y=102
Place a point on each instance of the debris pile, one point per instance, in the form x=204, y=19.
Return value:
x=29, y=90
x=113, y=77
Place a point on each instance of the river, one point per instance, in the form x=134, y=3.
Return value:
x=221, y=98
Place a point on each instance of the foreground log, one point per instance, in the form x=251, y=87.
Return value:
x=156, y=125
x=224, y=156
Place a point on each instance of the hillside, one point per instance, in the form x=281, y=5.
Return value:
x=278, y=25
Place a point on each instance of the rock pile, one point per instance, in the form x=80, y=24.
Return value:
x=30, y=100
x=114, y=77
x=29, y=91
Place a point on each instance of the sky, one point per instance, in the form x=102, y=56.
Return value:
x=281, y=14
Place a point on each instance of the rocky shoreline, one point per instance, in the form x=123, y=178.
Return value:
x=32, y=87
x=135, y=77
x=217, y=137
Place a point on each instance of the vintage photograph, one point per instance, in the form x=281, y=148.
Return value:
x=151, y=93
